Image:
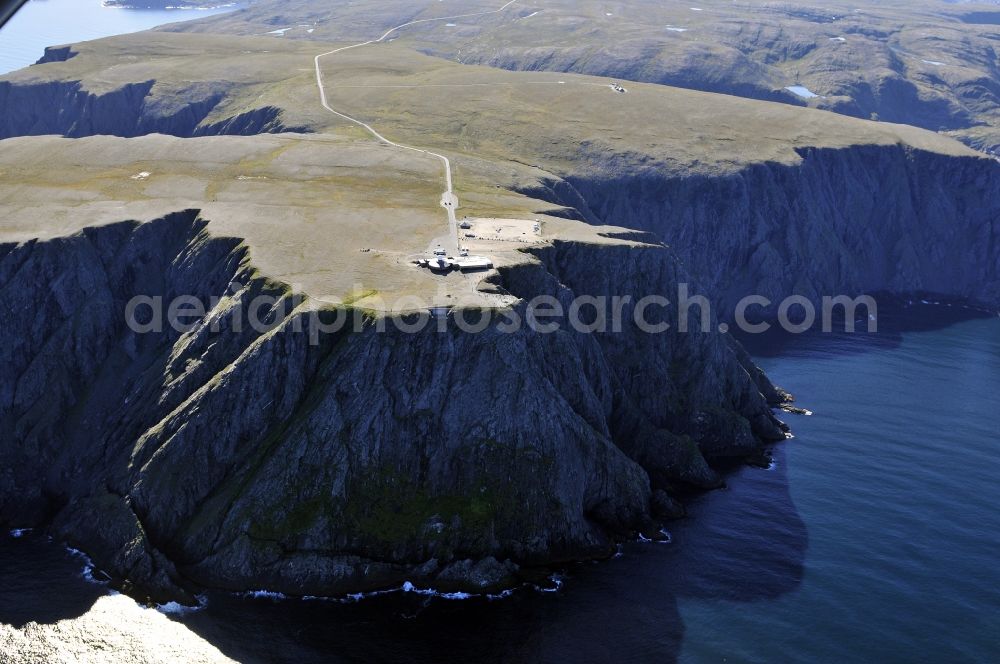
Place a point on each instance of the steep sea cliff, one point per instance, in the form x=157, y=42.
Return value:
x=242, y=460
x=865, y=219
x=65, y=108
x=449, y=459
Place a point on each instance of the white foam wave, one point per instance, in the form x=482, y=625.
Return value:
x=264, y=594
x=407, y=587
x=557, y=584
x=87, y=573
x=501, y=595
x=178, y=609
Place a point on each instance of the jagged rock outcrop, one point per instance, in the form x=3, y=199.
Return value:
x=315, y=461
x=865, y=219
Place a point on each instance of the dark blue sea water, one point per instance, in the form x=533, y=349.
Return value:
x=42, y=23
x=895, y=478
x=875, y=537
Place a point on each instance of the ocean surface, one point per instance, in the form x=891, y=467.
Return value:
x=42, y=23
x=874, y=537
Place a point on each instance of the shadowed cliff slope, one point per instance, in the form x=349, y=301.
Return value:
x=842, y=221
x=67, y=109
x=241, y=459
x=132, y=85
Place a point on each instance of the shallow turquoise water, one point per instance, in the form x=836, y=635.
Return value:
x=42, y=23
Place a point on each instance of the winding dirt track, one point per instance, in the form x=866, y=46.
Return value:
x=448, y=199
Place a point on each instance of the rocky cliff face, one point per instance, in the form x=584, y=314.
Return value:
x=66, y=108
x=866, y=219
x=237, y=459
x=56, y=54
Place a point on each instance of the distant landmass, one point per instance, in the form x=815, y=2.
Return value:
x=162, y=4
x=927, y=63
